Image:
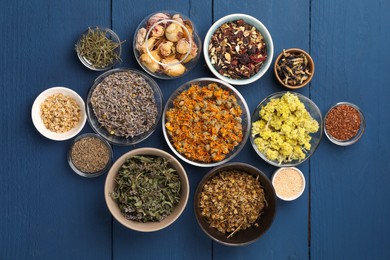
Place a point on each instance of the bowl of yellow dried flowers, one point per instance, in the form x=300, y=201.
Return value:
x=235, y=204
x=166, y=44
x=206, y=122
x=286, y=129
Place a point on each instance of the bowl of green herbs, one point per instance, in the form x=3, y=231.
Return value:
x=146, y=189
x=99, y=48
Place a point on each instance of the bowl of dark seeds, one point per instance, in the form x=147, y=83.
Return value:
x=294, y=68
x=238, y=49
x=90, y=155
x=124, y=106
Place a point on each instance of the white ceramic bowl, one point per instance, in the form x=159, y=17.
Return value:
x=285, y=187
x=245, y=119
x=37, y=120
x=267, y=38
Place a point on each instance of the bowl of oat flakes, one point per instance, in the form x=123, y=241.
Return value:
x=238, y=49
x=58, y=113
x=235, y=204
x=124, y=106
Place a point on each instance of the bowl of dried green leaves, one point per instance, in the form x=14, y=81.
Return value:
x=99, y=48
x=235, y=204
x=146, y=189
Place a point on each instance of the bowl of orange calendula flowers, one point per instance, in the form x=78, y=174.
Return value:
x=206, y=122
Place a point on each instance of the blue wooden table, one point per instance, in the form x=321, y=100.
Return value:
x=49, y=212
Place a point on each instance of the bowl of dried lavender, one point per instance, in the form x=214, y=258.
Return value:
x=238, y=49
x=235, y=204
x=146, y=189
x=206, y=122
x=124, y=106
x=294, y=68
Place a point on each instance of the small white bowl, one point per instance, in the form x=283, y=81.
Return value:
x=267, y=38
x=288, y=184
x=37, y=120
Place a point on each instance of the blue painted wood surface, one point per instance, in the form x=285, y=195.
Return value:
x=48, y=212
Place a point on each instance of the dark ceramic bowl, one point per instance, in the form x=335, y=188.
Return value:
x=251, y=234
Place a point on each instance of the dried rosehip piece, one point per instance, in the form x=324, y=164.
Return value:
x=237, y=50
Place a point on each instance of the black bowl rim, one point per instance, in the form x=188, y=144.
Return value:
x=246, y=168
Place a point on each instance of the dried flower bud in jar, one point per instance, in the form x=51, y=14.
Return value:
x=166, y=44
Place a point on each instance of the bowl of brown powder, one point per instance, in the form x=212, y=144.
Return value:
x=90, y=155
x=289, y=183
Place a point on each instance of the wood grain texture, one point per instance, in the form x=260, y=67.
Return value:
x=49, y=212
x=350, y=212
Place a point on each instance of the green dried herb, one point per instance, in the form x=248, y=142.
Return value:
x=98, y=49
x=148, y=188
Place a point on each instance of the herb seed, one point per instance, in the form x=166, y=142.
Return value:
x=343, y=122
x=90, y=154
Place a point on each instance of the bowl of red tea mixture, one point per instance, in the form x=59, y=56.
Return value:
x=206, y=122
x=124, y=106
x=235, y=204
x=238, y=49
x=146, y=189
x=90, y=155
x=344, y=124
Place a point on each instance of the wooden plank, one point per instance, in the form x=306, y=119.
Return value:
x=183, y=239
x=48, y=212
x=350, y=214
x=288, y=24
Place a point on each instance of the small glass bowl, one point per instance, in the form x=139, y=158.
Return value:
x=163, y=59
x=310, y=66
x=121, y=140
x=111, y=35
x=268, y=43
x=358, y=135
x=92, y=174
x=245, y=119
x=315, y=113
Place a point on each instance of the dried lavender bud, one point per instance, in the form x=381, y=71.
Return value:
x=124, y=104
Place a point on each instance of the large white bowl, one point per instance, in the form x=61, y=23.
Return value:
x=37, y=120
x=267, y=38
